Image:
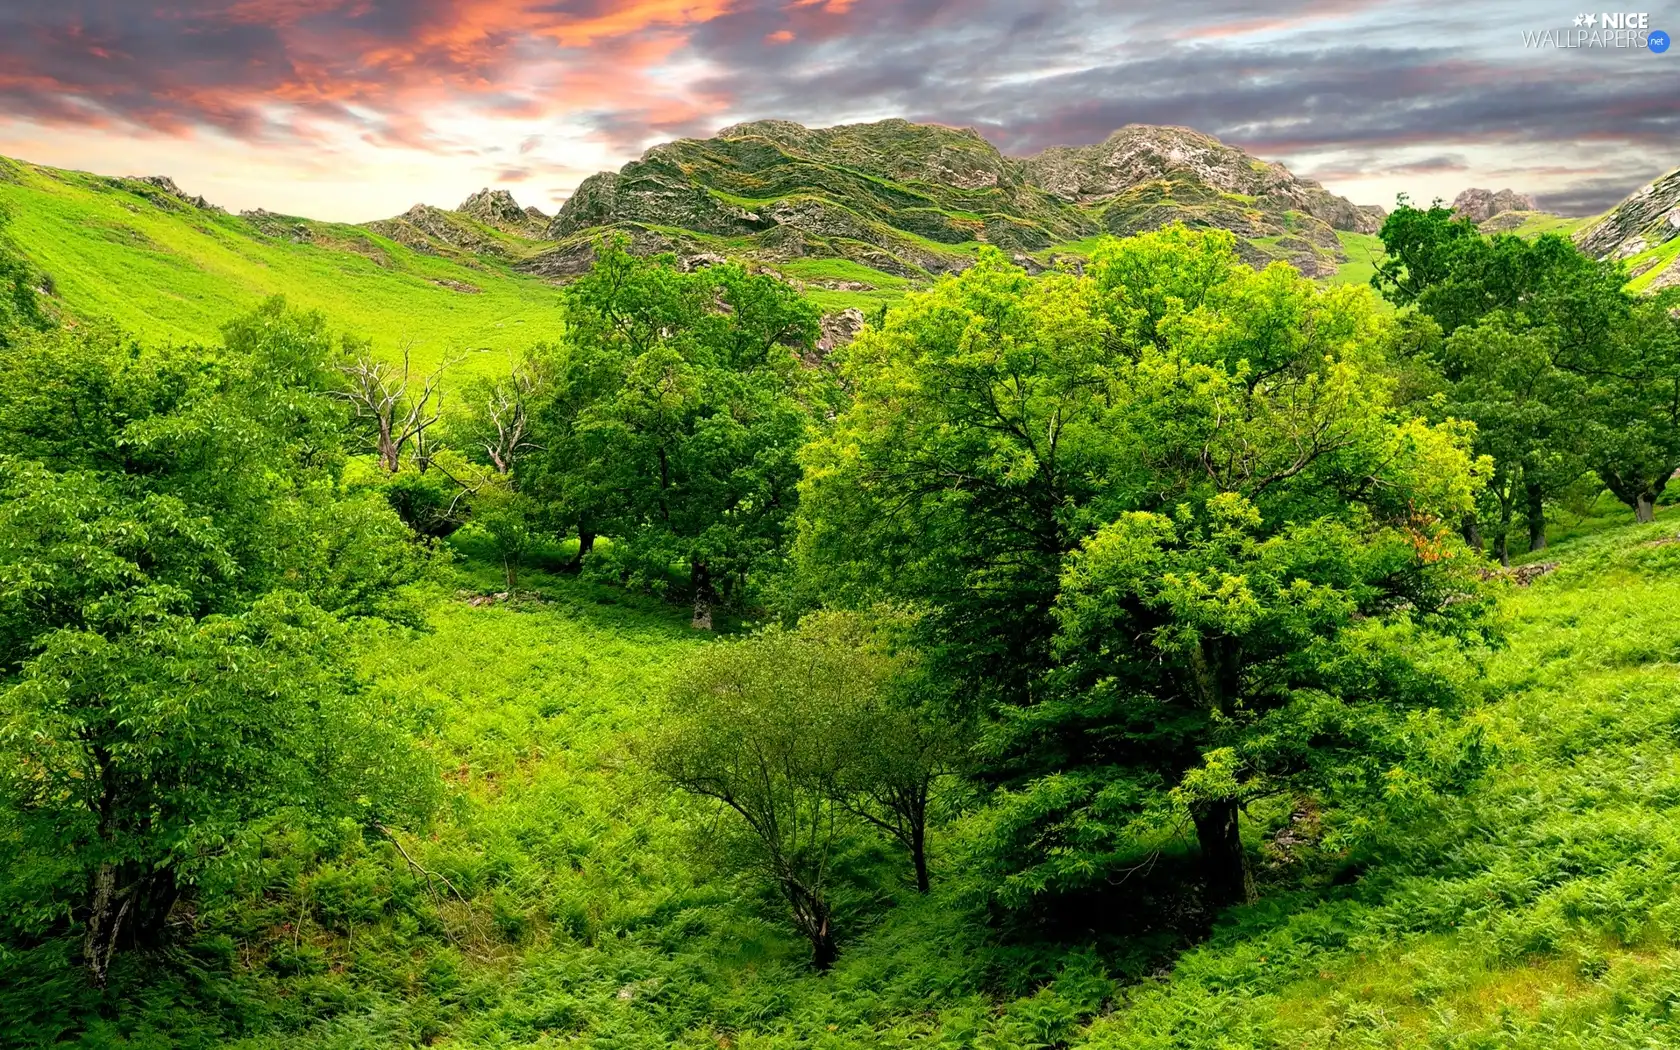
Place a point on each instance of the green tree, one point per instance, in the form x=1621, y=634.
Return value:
x=1418, y=247
x=1633, y=403
x=1001, y=422
x=176, y=548
x=907, y=733
x=1527, y=416
x=759, y=726
x=506, y=518
x=680, y=407
x=1247, y=672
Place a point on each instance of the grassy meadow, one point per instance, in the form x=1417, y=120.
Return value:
x=564, y=900
x=185, y=272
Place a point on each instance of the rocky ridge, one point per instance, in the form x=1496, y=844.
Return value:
x=914, y=200
x=1646, y=218
x=163, y=192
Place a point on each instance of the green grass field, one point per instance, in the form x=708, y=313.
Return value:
x=178, y=275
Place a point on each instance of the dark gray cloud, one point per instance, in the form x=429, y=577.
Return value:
x=1340, y=88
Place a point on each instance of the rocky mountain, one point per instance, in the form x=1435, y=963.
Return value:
x=1479, y=205
x=913, y=200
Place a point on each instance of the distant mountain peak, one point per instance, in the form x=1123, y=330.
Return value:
x=498, y=208
x=1479, y=205
x=913, y=200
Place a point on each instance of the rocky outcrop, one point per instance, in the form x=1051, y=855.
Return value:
x=1479, y=205
x=434, y=231
x=280, y=227
x=838, y=329
x=1647, y=217
x=498, y=209
x=171, y=192
x=1141, y=153
x=893, y=194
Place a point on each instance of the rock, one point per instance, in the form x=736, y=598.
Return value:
x=1479, y=205
x=838, y=330
x=1668, y=278
x=576, y=254
x=434, y=231
x=1141, y=153
x=688, y=263
x=167, y=185
x=280, y=227
x=879, y=193
x=1647, y=217
x=498, y=209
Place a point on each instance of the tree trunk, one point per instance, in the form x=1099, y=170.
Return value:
x=811, y=915
x=1473, y=534
x=510, y=566
x=108, y=908
x=390, y=453
x=705, y=595
x=1645, y=508
x=918, y=856
x=1224, y=864
x=1536, y=517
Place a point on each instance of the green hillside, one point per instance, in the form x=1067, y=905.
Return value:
x=165, y=270
x=1541, y=910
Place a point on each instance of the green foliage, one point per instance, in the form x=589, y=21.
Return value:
x=174, y=555
x=1569, y=373
x=1219, y=442
x=1167, y=531
x=679, y=408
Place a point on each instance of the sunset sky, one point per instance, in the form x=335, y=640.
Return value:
x=356, y=109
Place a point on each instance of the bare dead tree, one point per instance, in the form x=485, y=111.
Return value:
x=382, y=394
x=507, y=437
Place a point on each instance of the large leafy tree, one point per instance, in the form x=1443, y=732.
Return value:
x=1006, y=431
x=176, y=552
x=1571, y=371
x=677, y=409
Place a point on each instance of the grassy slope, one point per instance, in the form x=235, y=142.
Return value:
x=1541, y=910
x=179, y=275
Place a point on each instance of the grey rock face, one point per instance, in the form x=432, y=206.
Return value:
x=1649, y=216
x=838, y=330
x=1139, y=153
x=1479, y=205
x=497, y=208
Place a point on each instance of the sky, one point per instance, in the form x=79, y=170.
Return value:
x=356, y=109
